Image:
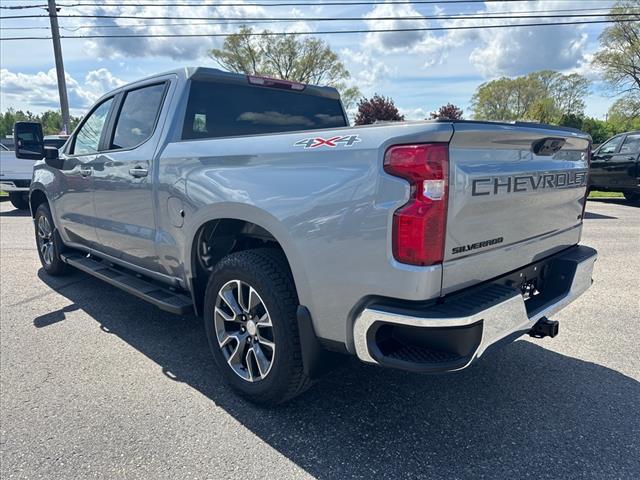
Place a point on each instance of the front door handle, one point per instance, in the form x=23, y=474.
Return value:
x=138, y=172
x=85, y=171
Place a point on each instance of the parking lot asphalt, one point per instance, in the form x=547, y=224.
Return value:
x=97, y=384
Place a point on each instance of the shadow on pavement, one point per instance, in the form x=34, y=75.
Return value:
x=524, y=411
x=15, y=213
x=616, y=201
x=597, y=216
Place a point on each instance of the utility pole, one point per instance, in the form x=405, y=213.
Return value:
x=57, y=52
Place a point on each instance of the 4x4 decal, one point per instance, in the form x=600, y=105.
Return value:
x=315, y=142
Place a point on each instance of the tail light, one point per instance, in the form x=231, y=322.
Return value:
x=419, y=225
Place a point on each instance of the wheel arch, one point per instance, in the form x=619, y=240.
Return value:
x=37, y=197
x=234, y=232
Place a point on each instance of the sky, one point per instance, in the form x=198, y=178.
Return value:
x=420, y=71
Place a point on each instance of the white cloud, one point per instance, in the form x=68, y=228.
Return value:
x=395, y=41
x=368, y=71
x=416, y=113
x=102, y=80
x=39, y=91
x=516, y=51
x=202, y=22
x=494, y=51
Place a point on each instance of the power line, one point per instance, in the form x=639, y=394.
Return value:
x=328, y=32
x=234, y=21
x=271, y=4
x=22, y=7
x=506, y=15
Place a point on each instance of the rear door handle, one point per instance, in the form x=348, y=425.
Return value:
x=138, y=172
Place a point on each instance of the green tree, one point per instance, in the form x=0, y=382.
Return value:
x=598, y=129
x=619, y=61
x=571, y=120
x=624, y=114
x=543, y=96
x=51, y=121
x=543, y=110
x=493, y=100
x=285, y=56
x=619, y=54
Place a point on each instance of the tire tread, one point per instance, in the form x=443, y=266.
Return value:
x=271, y=263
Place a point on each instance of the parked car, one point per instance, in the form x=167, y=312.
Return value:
x=615, y=166
x=251, y=202
x=15, y=173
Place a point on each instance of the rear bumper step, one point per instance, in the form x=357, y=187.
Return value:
x=152, y=292
x=450, y=335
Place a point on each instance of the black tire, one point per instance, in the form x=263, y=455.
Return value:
x=20, y=200
x=267, y=272
x=49, y=255
x=632, y=197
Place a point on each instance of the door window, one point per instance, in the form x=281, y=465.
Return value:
x=631, y=144
x=610, y=147
x=138, y=115
x=88, y=137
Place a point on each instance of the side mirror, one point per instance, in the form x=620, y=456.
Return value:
x=28, y=140
x=52, y=157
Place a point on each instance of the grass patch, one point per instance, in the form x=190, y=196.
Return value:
x=596, y=194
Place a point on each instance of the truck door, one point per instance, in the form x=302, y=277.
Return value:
x=74, y=204
x=602, y=166
x=123, y=177
x=625, y=163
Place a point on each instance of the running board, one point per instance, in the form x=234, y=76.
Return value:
x=160, y=296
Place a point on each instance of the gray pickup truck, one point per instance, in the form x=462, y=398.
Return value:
x=251, y=202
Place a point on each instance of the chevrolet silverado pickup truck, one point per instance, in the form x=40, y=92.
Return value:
x=16, y=173
x=251, y=202
x=615, y=166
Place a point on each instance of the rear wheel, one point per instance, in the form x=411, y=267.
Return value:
x=49, y=243
x=632, y=197
x=20, y=200
x=250, y=320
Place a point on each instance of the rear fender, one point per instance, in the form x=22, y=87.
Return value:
x=259, y=217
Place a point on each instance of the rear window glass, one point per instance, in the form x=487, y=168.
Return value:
x=226, y=110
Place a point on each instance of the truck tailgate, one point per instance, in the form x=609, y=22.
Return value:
x=512, y=200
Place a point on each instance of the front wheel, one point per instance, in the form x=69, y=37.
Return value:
x=49, y=243
x=632, y=197
x=20, y=200
x=251, y=326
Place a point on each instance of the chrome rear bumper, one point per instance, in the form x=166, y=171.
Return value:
x=450, y=335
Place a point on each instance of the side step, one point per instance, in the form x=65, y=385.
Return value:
x=159, y=295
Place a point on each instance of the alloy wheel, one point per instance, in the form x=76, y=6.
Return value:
x=244, y=331
x=45, y=240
